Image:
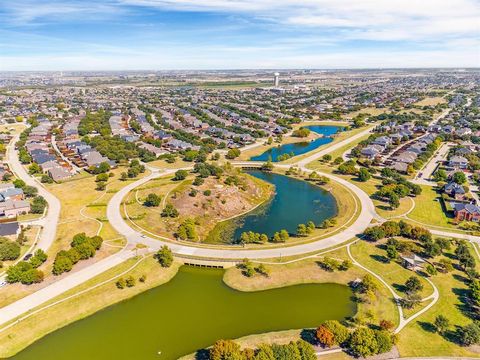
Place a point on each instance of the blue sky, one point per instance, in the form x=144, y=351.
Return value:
x=236, y=34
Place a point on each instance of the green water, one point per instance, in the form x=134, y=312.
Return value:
x=190, y=312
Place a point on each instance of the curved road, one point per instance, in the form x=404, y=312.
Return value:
x=367, y=213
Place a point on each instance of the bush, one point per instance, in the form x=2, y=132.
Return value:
x=225, y=350
x=340, y=332
x=130, y=281
x=121, y=283
x=38, y=205
x=469, y=335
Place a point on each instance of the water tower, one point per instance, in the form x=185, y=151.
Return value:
x=276, y=79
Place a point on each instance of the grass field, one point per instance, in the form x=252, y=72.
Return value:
x=374, y=258
x=428, y=209
x=27, y=331
x=412, y=339
x=431, y=101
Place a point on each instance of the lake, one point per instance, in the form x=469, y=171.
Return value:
x=300, y=148
x=294, y=202
x=190, y=312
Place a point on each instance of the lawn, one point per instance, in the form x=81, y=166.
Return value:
x=451, y=287
x=374, y=258
x=428, y=209
x=373, y=111
x=27, y=331
x=431, y=101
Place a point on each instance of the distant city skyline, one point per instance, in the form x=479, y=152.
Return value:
x=56, y=35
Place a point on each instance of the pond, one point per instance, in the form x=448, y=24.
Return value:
x=300, y=148
x=294, y=202
x=190, y=312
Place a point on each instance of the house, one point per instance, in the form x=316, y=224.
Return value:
x=383, y=141
x=454, y=190
x=401, y=167
x=466, y=212
x=9, y=229
x=58, y=173
x=413, y=262
x=370, y=152
x=11, y=208
x=458, y=162
x=407, y=157
x=11, y=194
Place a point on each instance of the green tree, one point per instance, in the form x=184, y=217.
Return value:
x=413, y=285
x=459, y=177
x=232, y=154
x=180, y=175
x=441, y=324
x=152, y=200
x=364, y=175
x=301, y=230
x=164, y=256
x=363, y=342
x=169, y=211
x=9, y=250
x=225, y=350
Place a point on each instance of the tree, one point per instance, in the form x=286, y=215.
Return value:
x=386, y=325
x=232, y=154
x=306, y=350
x=363, y=342
x=364, y=175
x=413, y=285
x=121, y=283
x=45, y=179
x=440, y=175
x=325, y=336
x=61, y=264
x=164, y=256
x=34, y=168
x=441, y=324
x=368, y=283
x=30, y=191
x=384, y=341
x=152, y=200
x=469, y=334
x=169, y=211
x=459, y=177
x=340, y=332
x=101, y=177
x=180, y=175
x=225, y=350
x=392, y=252
x=38, y=205
x=9, y=250
x=301, y=230
x=130, y=281
x=101, y=185
x=431, y=270
x=327, y=157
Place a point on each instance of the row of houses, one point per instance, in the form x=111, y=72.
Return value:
x=38, y=146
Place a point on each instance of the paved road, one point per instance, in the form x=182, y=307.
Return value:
x=423, y=176
x=49, y=292
x=50, y=220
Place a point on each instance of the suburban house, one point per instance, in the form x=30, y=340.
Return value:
x=458, y=162
x=467, y=212
x=454, y=190
x=9, y=229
